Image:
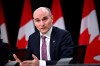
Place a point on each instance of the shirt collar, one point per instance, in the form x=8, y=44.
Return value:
x=48, y=34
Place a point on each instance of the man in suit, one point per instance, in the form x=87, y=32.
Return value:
x=58, y=41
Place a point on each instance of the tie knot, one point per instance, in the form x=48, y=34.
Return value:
x=43, y=37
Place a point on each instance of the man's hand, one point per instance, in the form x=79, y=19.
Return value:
x=17, y=59
x=34, y=62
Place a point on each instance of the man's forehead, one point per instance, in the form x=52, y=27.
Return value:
x=41, y=9
x=40, y=14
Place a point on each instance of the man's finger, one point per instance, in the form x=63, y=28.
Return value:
x=34, y=56
x=16, y=58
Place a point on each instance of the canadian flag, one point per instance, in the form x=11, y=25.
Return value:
x=89, y=33
x=3, y=29
x=26, y=26
x=57, y=13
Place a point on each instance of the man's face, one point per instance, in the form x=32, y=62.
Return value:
x=42, y=20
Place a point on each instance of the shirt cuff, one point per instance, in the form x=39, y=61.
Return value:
x=42, y=63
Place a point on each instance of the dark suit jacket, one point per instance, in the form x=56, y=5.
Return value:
x=4, y=53
x=61, y=45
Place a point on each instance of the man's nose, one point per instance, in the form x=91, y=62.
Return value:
x=42, y=23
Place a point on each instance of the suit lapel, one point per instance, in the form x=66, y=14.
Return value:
x=37, y=45
x=52, y=43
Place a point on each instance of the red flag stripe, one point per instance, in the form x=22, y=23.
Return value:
x=87, y=9
x=26, y=13
x=56, y=10
x=57, y=13
x=2, y=19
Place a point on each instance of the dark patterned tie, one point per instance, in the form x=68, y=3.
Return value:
x=44, y=48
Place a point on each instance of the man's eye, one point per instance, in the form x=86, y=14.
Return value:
x=37, y=20
x=45, y=18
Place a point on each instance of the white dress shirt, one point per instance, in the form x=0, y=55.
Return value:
x=48, y=34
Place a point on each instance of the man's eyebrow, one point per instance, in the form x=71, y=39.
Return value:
x=35, y=18
x=45, y=17
x=42, y=18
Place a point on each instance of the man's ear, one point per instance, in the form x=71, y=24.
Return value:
x=52, y=17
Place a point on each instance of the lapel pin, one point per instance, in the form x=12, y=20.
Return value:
x=53, y=41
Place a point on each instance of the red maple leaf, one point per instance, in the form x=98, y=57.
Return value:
x=22, y=43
